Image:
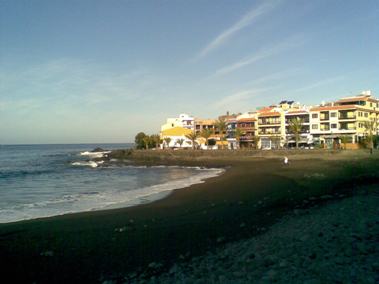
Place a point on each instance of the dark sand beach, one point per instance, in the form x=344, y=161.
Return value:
x=254, y=193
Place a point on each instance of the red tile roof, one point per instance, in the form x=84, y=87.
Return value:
x=246, y=119
x=321, y=108
x=297, y=112
x=270, y=113
x=356, y=99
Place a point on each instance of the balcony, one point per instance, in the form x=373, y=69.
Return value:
x=346, y=116
x=265, y=122
x=269, y=133
x=247, y=138
x=347, y=128
x=305, y=121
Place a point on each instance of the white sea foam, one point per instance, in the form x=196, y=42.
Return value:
x=156, y=192
x=86, y=164
x=94, y=154
x=100, y=200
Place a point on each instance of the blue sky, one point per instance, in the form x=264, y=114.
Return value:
x=101, y=71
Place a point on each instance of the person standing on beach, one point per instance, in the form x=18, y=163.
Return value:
x=285, y=161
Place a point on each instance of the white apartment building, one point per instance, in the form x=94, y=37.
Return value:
x=184, y=120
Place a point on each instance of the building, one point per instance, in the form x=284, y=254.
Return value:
x=184, y=120
x=305, y=137
x=247, y=123
x=348, y=117
x=203, y=124
x=271, y=127
x=176, y=135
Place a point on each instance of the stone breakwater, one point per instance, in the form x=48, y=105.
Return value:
x=335, y=243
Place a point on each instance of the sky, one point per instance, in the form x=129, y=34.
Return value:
x=102, y=71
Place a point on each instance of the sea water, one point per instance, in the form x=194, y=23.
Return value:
x=47, y=180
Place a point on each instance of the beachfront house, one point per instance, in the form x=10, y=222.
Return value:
x=204, y=124
x=271, y=127
x=350, y=119
x=184, y=120
x=301, y=115
x=247, y=123
x=177, y=138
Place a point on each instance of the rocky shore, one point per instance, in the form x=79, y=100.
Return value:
x=335, y=243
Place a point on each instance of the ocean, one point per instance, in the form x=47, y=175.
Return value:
x=48, y=180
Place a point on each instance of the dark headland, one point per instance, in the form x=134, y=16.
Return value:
x=254, y=194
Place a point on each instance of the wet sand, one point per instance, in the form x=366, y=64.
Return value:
x=245, y=201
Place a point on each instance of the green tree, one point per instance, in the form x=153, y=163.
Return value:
x=155, y=140
x=295, y=125
x=146, y=141
x=221, y=128
x=192, y=136
x=237, y=134
x=139, y=140
x=180, y=142
x=255, y=141
x=370, y=128
x=206, y=133
x=167, y=140
x=344, y=140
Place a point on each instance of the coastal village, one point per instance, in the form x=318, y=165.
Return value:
x=346, y=123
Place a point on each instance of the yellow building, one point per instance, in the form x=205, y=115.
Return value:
x=354, y=118
x=177, y=137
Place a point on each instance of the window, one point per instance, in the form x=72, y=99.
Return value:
x=314, y=115
x=333, y=125
x=333, y=114
x=359, y=113
x=314, y=126
x=366, y=114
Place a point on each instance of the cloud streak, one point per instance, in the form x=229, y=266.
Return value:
x=246, y=20
x=72, y=83
x=292, y=42
x=239, y=99
x=319, y=84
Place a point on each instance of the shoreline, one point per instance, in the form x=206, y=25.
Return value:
x=147, y=194
x=249, y=196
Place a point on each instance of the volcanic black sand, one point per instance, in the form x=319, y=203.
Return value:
x=252, y=194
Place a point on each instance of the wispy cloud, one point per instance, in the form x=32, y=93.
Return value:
x=239, y=100
x=286, y=45
x=71, y=83
x=246, y=20
x=279, y=75
x=318, y=84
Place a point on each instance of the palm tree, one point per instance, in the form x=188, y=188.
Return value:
x=237, y=134
x=180, y=142
x=192, y=136
x=146, y=141
x=344, y=140
x=370, y=128
x=255, y=141
x=167, y=140
x=206, y=133
x=221, y=127
x=295, y=126
x=155, y=138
